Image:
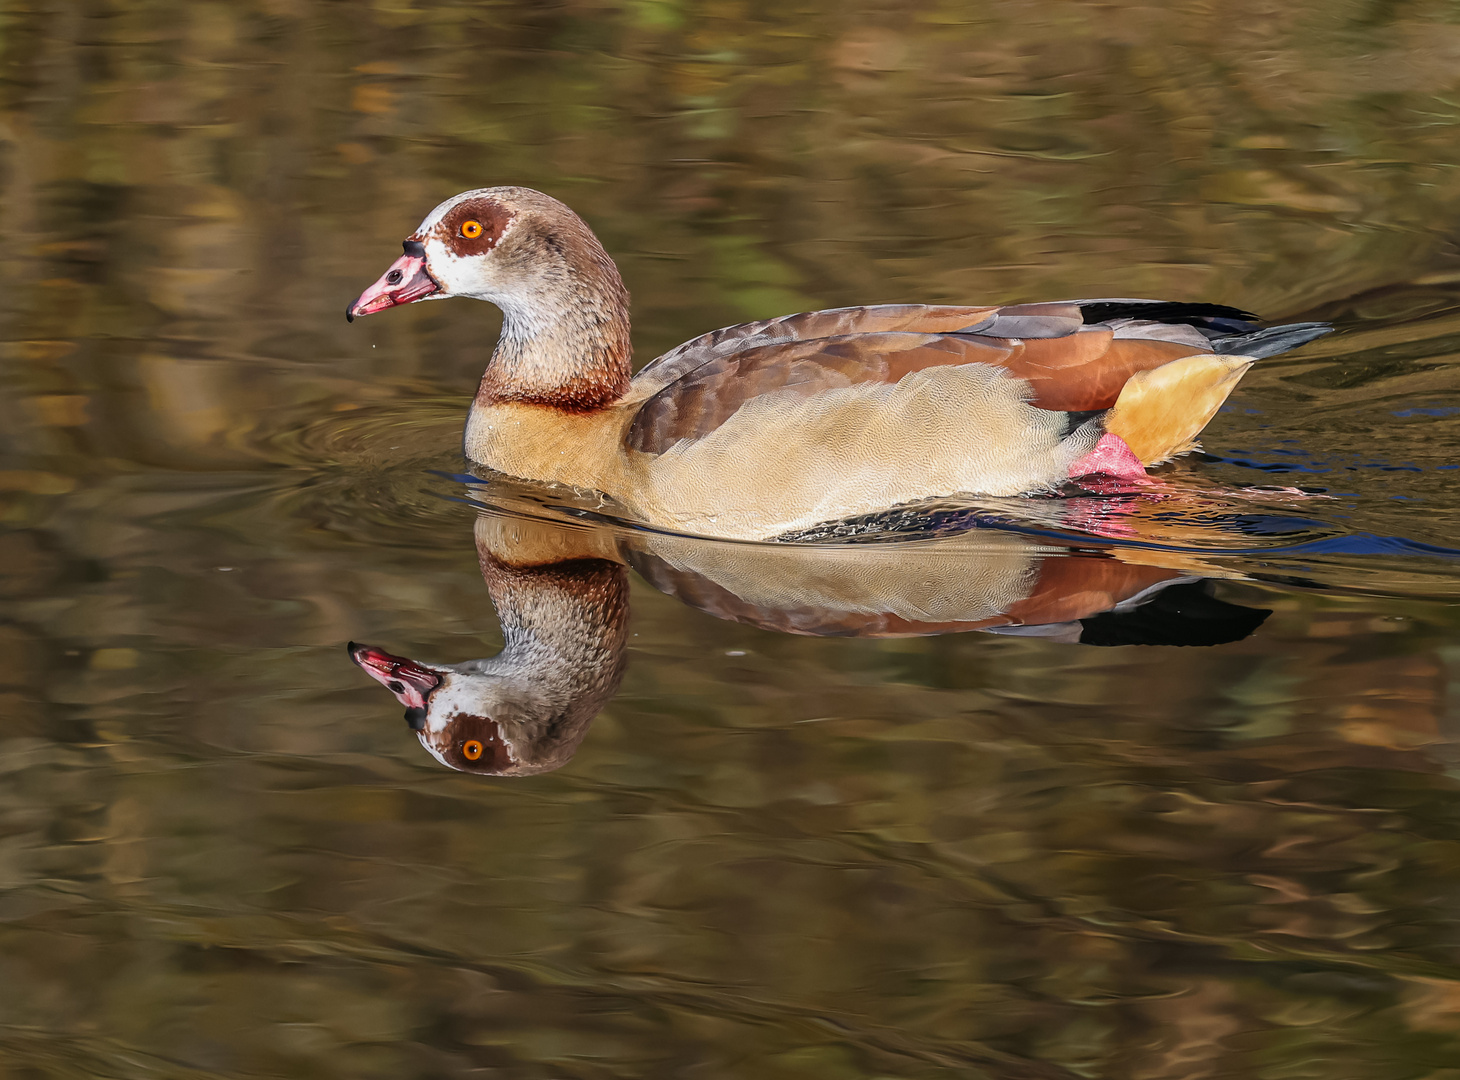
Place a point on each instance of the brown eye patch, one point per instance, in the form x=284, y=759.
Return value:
x=472, y=743
x=474, y=227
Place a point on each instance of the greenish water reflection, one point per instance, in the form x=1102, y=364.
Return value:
x=222, y=854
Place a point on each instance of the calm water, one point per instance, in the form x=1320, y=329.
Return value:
x=773, y=854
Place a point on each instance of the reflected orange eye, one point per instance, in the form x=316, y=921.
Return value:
x=471, y=230
x=471, y=748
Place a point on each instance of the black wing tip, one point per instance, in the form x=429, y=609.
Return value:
x=1167, y=311
x=1230, y=330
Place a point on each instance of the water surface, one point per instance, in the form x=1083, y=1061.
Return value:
x=773, y=854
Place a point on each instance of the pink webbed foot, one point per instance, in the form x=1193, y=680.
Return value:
x=1111, y=466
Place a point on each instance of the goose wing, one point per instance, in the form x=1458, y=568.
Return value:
x=1075, y=356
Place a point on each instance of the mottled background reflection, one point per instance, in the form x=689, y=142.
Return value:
x=223, y=855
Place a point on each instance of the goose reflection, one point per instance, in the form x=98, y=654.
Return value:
x=561, y=593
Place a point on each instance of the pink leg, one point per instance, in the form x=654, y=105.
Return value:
x=1111, y=457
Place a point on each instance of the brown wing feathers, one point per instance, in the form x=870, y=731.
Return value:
x=699, y=402
x=1071, y=366
x=808, y=326
x=1086, y=371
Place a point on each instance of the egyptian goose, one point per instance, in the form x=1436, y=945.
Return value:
x=769, y=427
x=562, y=593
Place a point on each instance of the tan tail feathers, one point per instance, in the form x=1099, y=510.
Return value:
x=1160, y=412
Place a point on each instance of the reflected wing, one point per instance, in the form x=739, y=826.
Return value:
x=834, y=601
x=1076, y=356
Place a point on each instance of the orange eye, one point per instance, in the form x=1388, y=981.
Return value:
x=471, y=748
x=471, y=230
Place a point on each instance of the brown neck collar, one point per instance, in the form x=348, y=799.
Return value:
x=565, y=339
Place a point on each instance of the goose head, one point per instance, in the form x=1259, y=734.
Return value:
x=507, y=245
x=565, y=311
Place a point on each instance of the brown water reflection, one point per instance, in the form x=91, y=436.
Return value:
x=221, y=854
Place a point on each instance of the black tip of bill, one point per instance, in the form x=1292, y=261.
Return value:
x=350, y=311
